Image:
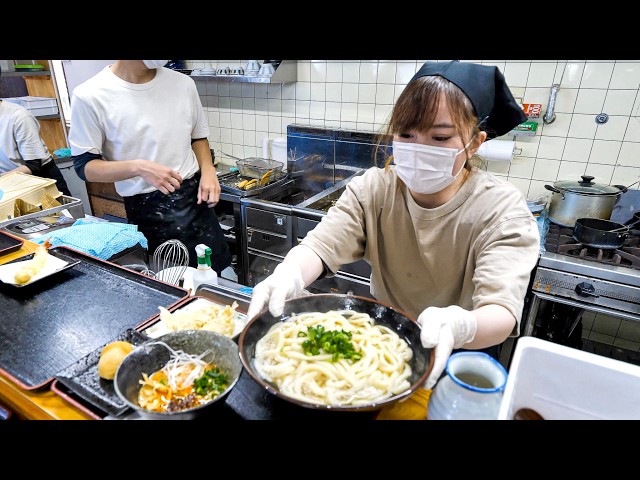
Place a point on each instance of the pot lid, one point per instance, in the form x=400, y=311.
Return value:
x=587, y=187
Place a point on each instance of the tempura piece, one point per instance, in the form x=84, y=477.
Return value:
x=31, y=268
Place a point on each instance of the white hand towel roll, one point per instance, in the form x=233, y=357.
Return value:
x=497, y=150
x=279, y=151
x=265, y=148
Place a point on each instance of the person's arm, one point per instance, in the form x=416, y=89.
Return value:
x=163, y=178
x=21, y=168
x=30, y=145
x=300, y=267
x=494, y=324
x=209, y=190
x=308, y=261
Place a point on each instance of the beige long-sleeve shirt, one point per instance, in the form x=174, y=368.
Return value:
x=477, y=249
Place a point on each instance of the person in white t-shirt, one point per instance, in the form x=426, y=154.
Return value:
x=448, y=243
x=143, y=127
x=22, y=148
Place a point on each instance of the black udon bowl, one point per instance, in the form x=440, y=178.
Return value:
x=149, y=358
x=406, y=327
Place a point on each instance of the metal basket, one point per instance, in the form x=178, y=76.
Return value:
x=256, y=167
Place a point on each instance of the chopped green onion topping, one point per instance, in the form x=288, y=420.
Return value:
x=212, y=383
x=337, y=343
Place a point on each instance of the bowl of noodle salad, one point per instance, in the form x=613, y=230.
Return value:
x=336, y=352
x=179, y=375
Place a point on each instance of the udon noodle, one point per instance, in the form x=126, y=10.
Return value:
x=381, y=372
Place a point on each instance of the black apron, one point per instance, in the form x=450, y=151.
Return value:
x=177, y=215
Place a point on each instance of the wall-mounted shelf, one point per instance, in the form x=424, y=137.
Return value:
x=17, y=73
x=287, y=72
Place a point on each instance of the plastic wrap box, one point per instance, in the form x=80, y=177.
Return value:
x=564, y=383
x=38, y=106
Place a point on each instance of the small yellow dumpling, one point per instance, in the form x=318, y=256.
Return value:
x=111, y=357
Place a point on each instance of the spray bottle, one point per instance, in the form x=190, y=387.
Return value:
x=204, y=273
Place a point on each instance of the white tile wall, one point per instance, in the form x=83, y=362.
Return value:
x=359, y=94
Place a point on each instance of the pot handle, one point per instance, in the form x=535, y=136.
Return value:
x=554, y=189
x=586, y=180
x=622, y=188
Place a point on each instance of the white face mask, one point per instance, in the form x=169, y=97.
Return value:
x=155, y=63
x=424, y=168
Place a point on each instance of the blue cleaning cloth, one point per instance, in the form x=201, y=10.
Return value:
x=102, y=240
x=63, y=152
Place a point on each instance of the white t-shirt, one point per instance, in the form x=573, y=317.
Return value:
x=127, y=121
x=479, y=248
x=20, y=138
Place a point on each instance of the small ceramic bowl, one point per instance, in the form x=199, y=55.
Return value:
x=252, y=66
x=266, y=70
x=152, y=355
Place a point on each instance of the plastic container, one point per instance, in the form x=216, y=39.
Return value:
x=29, y=188
x=204, y=274
x=564, y=383
x=7, y=66
x=38, y=106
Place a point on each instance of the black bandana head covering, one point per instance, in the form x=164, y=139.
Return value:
x=494, y=105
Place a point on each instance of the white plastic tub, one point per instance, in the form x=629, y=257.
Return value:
x=564, y=383
x=38, y=106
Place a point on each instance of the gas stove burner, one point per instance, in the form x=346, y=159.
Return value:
x=624, y=256
x=560, y=240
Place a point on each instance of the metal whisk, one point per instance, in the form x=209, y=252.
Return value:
x=170, y=261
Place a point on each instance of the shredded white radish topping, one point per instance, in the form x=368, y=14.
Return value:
x=182, y=368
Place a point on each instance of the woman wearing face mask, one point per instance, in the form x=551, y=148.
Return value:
x=143, y=127
x=448, y=243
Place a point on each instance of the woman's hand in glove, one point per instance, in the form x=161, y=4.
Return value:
x=445, y=329
x=285, y=282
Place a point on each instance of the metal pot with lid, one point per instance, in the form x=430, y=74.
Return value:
x=583, y=199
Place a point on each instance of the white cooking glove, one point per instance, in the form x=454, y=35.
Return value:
x=285, y=282
x=445, y=329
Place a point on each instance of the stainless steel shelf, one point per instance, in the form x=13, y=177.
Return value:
x=287, y=72
x=48, y=117
x=237, y=78
x=36, y=73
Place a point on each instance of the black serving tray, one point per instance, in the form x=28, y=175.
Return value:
x=9, y=243
x=52, y=323
x=82, y=377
